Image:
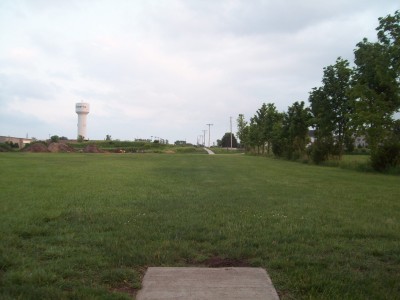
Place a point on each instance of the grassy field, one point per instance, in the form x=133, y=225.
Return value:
x=86, y=226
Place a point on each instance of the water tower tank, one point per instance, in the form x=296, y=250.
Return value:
x=82, y=109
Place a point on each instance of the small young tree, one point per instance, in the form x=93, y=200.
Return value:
x=295, y=130
x=377, y=82
x=331, y=107
x=226, y=141
x=243, y=131
x=55, y=138
x=255, y=135
x=272, y=120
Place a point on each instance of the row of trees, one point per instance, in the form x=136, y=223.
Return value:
x=284, y=134
x=352, y=101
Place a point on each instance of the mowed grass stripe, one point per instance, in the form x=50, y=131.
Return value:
x=87, y=225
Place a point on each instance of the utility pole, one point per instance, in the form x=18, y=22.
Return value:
x=231, y=130
x=209, y=132
x=204, y=137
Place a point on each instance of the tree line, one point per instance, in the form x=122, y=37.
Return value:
x=352, y=101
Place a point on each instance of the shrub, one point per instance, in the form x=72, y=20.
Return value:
x=386, y=156
x=55, y=138
x=320, y=151
x=5, y=147
x=278, y=148
x=349, y=144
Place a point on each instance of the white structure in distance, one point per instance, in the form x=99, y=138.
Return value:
x=82, y=109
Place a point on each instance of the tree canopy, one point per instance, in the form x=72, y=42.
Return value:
x=226, y=141
x=358, y=101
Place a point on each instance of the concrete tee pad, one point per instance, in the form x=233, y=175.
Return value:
x=207, y=283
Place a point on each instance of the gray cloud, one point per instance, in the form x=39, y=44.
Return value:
x=167, y=68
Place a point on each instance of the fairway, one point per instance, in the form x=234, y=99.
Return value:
x=86, y=226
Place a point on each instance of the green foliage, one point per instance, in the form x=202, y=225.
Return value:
x=8, y=146
x=226, y=141
x=217, y=150
x=243, y=131
x=386, y=156
x=377, y=82
x=349, y=141
x=285, y=133
x=5, y=147
x=295, y=130
x=319, y=151
x=332, y=106
x=80, y=139
x=278, y=146
x=55, y=138
x=262, y=128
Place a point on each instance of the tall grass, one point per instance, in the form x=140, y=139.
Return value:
x=88, y=225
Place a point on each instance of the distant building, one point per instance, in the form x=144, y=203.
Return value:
x=15, y=140
x=311, y=134
x=359, y=141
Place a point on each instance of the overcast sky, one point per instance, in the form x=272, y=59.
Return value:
x=167, y=68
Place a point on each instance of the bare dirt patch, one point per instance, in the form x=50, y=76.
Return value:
x=126, y=290
x=219, y=262
x=92, y=149
x=36, y=147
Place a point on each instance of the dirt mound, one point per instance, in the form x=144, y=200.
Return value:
x=92, y=149
x=60, y=147
x=36, y=147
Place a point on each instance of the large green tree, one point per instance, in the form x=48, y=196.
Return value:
x=295, y=129
x=377, y=82
x=332, y=107
x=229, y=140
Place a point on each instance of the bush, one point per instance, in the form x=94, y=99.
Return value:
x=55, y=138
x=386, y=156
x=319, y=152
x=278, y=148
x=5, y=147
x=349, y=144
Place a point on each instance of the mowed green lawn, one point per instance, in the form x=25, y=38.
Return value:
x=86, y=226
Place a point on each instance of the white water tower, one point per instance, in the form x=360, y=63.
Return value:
x=82, y=109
